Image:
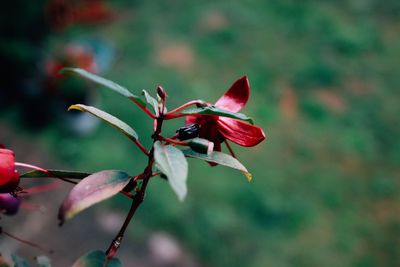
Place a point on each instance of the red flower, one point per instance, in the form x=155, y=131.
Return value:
x=216, y=129
x=9, y=176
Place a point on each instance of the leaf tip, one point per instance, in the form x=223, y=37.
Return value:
x=76, y=107
x=182, y=196
x=66, y=70
x=249, y=176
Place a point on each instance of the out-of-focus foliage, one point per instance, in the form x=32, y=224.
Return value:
x=324, y=80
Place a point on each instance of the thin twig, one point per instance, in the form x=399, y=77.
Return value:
x=146, y=110
x=31, y=244
x=43, y=188
x=25, y=165
x=170, y=115
x=141, y=147
x=230, y=148
x=172, y=141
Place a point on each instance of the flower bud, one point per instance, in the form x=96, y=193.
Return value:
x=9, y=204
x=161, y=93
x=201, y=145
x=188, y=131
x=9, y=177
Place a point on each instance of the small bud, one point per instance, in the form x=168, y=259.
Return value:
x=9, y=204
x=161, y=93
x=188, y=131
x=202, y=145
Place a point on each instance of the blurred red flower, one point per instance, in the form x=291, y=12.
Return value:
x=64, y=13
x=9, y=176
x=216, y=129
x=72, y=55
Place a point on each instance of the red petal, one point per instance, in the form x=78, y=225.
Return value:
x=191, y=119
x=211, y=134
x=236, y=97
x=7, y=166
x=239, y=132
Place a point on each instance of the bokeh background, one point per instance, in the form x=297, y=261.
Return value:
x=324, y=81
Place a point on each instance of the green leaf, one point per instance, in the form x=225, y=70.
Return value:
x=151, y=100
x=173, y=164
x=104, y=82
x=43, y=261
x=110, y=119
x=96, y=258
x=93, y=189
x=213, y=110
x=55, y=173
x=220, y=158
x=18, y=261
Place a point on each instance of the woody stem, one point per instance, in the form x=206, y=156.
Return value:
x=139, y=197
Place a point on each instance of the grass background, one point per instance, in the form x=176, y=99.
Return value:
x=324, y=86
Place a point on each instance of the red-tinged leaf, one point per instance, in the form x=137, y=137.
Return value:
x=110, y=119
x=241, y=133
x=91, y=190
x=55, y=174
x=96, y=258
x=216, y=111
x=219, y=158
x=236, y=97
x=104, y=82
x=173, y=164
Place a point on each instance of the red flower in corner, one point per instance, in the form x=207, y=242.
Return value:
x=9, y=176
x=216, y=129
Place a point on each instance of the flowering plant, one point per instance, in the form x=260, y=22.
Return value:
x=207, y=126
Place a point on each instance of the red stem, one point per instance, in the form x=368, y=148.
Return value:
x=230, y=148
x=146, y=110
x=141, y=147
x=31, y=244
x=20, y=164
x=131, y=196
x=172, y=141
x=170, y=115
x=30, y=206
x=43, y=188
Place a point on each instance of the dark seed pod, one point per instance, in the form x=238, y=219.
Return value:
x=188, y=131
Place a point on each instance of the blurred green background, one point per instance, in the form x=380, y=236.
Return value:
x=324, y=79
